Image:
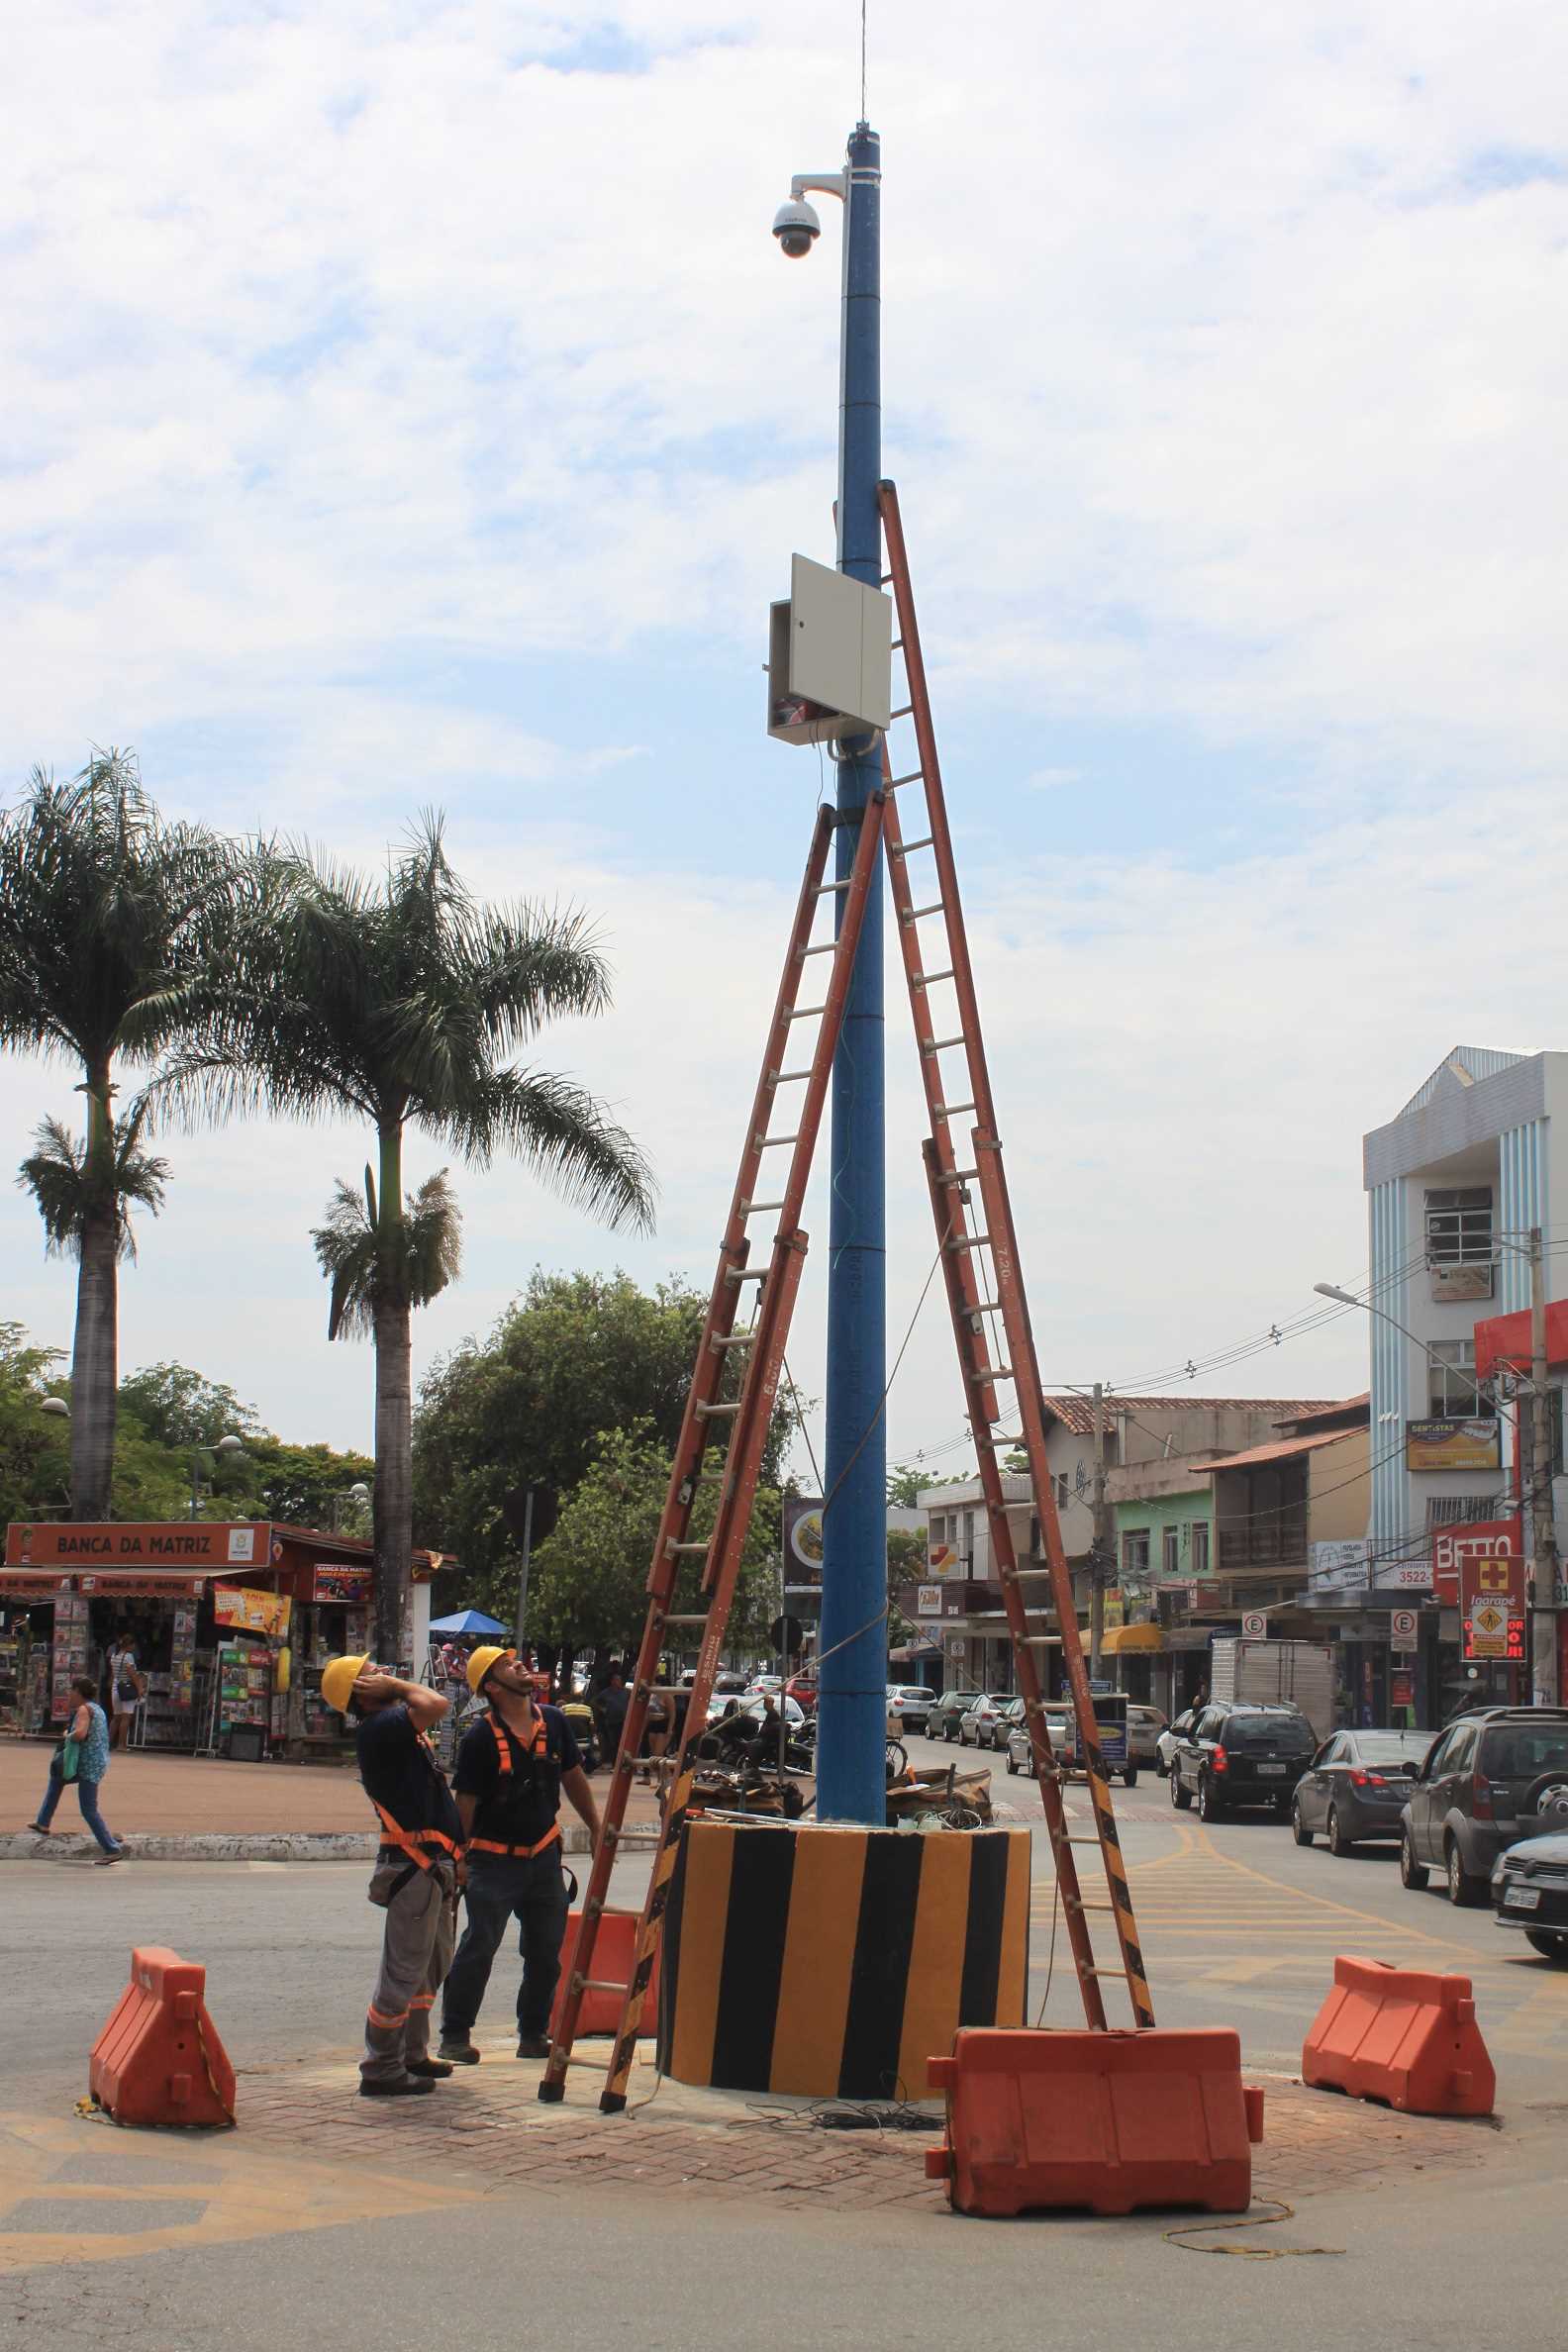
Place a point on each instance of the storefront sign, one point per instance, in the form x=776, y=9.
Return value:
x=1401, y=1689
x=1489, y=1539
x=803, y=1542
x=116, y=1583
x=1404, y=1629
x=255, y=1612
x=14, y=1587
x=942, y=1559
x=1453, y=1445
x=1339, y=1567
x=1492, y=1606
x=1404, y=1576
x=337, y=1580
x=136, y=1543
x=929, y=1601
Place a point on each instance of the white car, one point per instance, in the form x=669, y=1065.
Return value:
x=720, y=1710
x=975, y=1726
x=1144, y=1726
x=1171, y=1737
x=912, y=1702
x=761, y=1683
x=1063, y=1730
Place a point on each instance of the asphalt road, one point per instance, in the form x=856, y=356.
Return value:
x=1239, y=1926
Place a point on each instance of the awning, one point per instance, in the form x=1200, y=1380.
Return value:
x=111, y=1583
x=1121, y=1641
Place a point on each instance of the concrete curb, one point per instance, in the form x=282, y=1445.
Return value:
x=245, y=1846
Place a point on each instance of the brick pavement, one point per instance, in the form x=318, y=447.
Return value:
x=183, y=1796
x=488, y=2126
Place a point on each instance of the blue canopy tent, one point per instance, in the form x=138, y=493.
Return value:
x=466, y=1620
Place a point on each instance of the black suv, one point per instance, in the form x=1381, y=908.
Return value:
x=1489, y=1781
x=1241, y=1752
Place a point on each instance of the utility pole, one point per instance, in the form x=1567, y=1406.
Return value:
x=851, y=1773
x=1543, y=1531
x=1102, y=1551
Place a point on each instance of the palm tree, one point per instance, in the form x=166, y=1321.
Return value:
x=397, y=1002
x=107, y=917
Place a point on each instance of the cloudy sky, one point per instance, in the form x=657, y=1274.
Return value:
x=407, y=404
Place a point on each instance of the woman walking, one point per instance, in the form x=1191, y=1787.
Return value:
x=90, y=1729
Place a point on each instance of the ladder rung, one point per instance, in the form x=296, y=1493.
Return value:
x=599, y=2065
x=902, y=712
x=970, y=1241
x=943, y=1045
x=990, y=1372
x=601, y=1984
x=917, y=913
x=1081, y=1901
x=740, y=1274
x=688, y=1621
x=804, y=1011
x=822, y=948
x=949, y=1110
x=772, y=1143
x=912, y=777
x=959, y=1176
x=907, y=848
x=716, y=1412
x=826, y=889
x=786, y=1077
x=928, y=979
x=673, y=1548
x=760, y=1208
x=735, y=1340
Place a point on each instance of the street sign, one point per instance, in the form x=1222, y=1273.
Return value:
x=785, y=1635
x=1254, y=1625
x=1403, y=1630
x=955, y=1646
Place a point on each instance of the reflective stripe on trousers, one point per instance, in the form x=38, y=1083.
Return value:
x=416, y=1953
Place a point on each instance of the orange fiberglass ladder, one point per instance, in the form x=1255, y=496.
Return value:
x=984, y=1289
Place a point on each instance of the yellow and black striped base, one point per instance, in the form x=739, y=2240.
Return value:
x=827, y=1959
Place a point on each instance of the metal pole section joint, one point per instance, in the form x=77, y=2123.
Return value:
x=851, y=1778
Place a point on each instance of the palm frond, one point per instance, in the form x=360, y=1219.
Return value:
x=555, y=1127
x=68, y=1191
x=345, y=1245
x=411, y=1262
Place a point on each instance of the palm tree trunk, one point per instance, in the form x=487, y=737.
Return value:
x=95, y=1351
x=394, y=1421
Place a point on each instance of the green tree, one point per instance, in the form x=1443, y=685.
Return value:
x=588, y=1587
x=574, y=1356
x=35, y=1445
x=108, y=919
x=177, y=1406
x=396, y=1002
x=907, y=1482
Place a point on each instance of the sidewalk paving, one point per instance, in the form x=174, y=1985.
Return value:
x=201, y=1807
x=488, y=2124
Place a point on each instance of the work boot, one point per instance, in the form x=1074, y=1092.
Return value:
x=457, y=2050
x=399, y=2087
x=434, y=2069
x=533, y=2045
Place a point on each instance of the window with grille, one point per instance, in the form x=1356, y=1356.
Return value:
x=1460, y=1511
x=1136, y=1552
x=1459, y=1227
x=1170, y=1550
x=1198, y=1539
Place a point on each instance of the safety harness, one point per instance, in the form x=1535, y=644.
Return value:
x=538, y=1745
x=424, y=1847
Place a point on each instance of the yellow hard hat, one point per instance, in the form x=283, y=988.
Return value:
x=339, y=1677
x=481, y=1660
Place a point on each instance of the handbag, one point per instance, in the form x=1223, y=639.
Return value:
x=68, y=1757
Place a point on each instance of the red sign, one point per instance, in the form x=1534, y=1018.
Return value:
x=1401, y=1690
x=136, y=1543
x=342, y=1582
x=1485, y=1539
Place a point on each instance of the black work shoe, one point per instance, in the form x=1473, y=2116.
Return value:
x=458, y=2053
x=432, y=2070
x=533, y=2045
x=399, y=2087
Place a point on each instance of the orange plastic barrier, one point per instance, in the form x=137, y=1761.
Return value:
x=160, y=2060
x=612, y=1965
x=1404, y=2036
x=1107, y=2122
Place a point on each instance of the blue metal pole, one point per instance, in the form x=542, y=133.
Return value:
x=851, y=1776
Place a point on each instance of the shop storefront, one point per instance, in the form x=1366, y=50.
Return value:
x=231, y=1623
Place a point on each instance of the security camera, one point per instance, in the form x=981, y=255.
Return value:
x=797, y=228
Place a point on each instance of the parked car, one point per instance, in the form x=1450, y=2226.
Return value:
x=802, y=1688
x=1492, y=1778
x=974, y=1727
x=765, y=1682
x=912, y=1702
x=996, y=1731
x=1170, y=1739
x=1356, y=1787
x=1063, y=1738
x=947, y=1713
x=1529, y=1891
x=1144, y=1726
x=1242, y=1753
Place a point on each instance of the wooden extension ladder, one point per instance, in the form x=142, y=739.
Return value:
x=738, y=1365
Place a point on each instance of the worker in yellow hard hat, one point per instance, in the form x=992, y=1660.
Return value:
x=414, y=1880
x=512, y=1769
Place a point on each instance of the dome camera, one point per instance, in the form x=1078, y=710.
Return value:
x=797, y=228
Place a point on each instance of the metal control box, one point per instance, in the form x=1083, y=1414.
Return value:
x=829, y=657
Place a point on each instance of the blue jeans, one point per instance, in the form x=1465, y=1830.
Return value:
x=87, y=1798
x=534, y=1892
